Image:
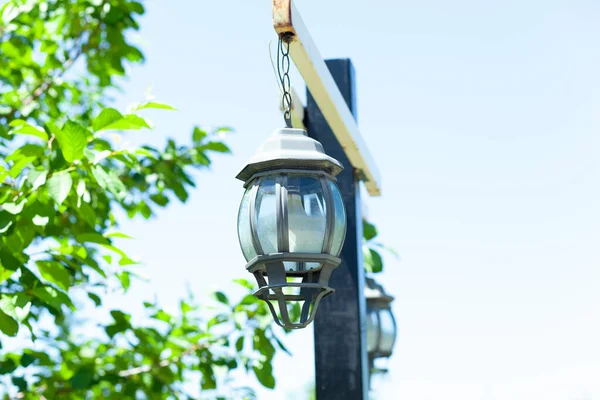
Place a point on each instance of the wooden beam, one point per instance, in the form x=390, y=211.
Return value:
x=318, y=79
x=340, y=326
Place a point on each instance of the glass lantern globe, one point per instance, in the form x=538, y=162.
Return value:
x=381, y=324
x=291, y=223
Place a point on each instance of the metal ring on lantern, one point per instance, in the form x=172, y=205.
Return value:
x=289, y=171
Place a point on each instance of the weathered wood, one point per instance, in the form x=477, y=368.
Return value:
x=340, y=326
x=310, y=64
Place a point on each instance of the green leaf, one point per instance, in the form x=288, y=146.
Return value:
x=222, y=130
x=37, y=178
x=109, y=180
x=53, y=128
x=162, y=315
x=72, y=139
x=120, y=316
x=22, y=157
x=106, y=117
x=27, y=359
x=39, y=220
x=83, y=378
x=249, y=299
x=95, y=298
x=146, y=152
x=93, y=237
x=7, y=365
x=208, y=380
x=148, y=304
x=263, y=344
x=8, y=260
x=55, y=272
x=101, y=156
x=86, y=212
x=6, y=220
x=264, y=374
x=125, y=280
x=128, y=122
x=281, y=345
x=114, y=249
x=118, y=327
x=117, y=235
x=245, y=283
x=20, y=383
x=59, y=186
x=28, y=151
x=8, y=325
x=10, y=11
x=198, y=134
x=153, y=104
x=13, y=208
x=160, y=199
x=369, y=230
x=221, y=298
x=216, y=320
x=23, y=128
x=239, y=344
x=377, y=261
x=5, y=274
x=115, y=186
x=17, y=307
x=372, y=260
x=54, y=298
x=112, y=330
x=22, y=310
x=388, y=249
x=216, y=146
x=101, y=176
x=80, y=188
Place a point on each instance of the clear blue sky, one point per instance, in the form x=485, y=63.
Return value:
x=484, y=119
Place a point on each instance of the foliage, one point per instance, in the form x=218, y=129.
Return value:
x=66, y=181
x=154, y=359
x=373, y=262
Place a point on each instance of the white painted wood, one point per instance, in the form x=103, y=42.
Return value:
x=319, y=81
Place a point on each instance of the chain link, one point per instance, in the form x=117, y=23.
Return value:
x=283, y=70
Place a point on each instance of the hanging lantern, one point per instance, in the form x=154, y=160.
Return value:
x=381, y=325
x=291, y=224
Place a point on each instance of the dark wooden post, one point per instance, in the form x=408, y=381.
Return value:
x=340, y=327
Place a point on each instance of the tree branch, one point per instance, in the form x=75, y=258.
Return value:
x=130, y=372
x=47, y=83
x=164, y=363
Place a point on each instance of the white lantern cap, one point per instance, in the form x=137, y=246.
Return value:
x=289, y=148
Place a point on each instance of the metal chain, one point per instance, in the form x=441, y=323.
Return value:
x=283, y=70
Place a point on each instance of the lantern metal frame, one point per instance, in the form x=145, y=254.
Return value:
x=379, y=301
x=291, y=153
